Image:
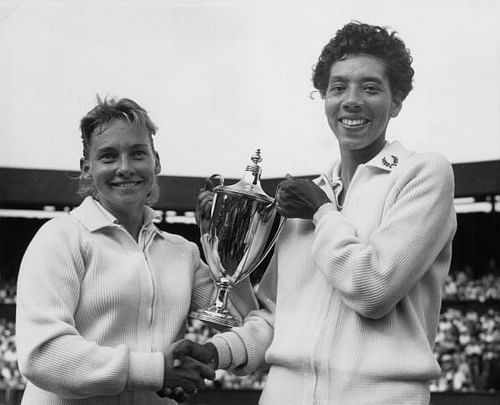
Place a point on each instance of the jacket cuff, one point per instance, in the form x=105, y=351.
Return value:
x=146, y=371
x=322, y=211
x=230, y=350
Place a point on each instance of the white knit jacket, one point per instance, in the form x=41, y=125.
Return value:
x=96, y=310
x=352, y=298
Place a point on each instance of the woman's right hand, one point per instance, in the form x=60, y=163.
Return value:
x=185, y=378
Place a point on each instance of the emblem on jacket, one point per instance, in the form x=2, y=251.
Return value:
x=394, y=161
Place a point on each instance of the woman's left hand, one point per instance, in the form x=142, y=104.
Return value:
x=299, y=198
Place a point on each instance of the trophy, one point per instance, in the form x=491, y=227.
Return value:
x=242, y=229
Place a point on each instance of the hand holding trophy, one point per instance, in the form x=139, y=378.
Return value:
x=241, y=230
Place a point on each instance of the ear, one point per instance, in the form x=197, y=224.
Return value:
x=157, y=163
x=85, y=168
x=397, y=105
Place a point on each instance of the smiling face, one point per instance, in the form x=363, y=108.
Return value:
x=123, y=166
x=359, y=103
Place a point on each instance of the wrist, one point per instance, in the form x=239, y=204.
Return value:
x=323, y=210
x=214, y=355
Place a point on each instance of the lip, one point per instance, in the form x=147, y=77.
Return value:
x=126, y=184
x=353, y=122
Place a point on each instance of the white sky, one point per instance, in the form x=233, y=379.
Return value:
x=222, y=78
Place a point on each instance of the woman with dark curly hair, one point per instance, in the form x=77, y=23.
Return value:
x=351, y=298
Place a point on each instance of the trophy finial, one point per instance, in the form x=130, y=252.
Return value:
x=255, y=169
x=256, y=157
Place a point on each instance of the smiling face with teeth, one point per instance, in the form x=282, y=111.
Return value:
x=123, y=165
x=359, y=103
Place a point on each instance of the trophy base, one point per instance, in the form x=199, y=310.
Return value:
x=216, y=320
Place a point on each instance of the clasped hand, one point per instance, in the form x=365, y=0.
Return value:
x=299, y=198
x=187, y=365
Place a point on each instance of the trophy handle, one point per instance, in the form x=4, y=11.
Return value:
x=218, y=177
x=270, y=244
x=210, y=185
x=215, y=180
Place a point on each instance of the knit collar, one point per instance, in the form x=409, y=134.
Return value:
x=91, y=214
x=390, y=157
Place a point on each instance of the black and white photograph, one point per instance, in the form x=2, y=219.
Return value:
x=249, y=202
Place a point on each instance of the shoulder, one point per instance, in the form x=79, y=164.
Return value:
x=429, y=164
x=57, y=239
x=429, y=172
x=60, y=227
x=178, y=241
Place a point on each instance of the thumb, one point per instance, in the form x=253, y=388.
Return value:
x=184, y=348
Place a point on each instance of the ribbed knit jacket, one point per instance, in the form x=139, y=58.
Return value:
x=96, y=310
x=352, y=297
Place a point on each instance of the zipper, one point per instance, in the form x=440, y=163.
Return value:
x=154, y=286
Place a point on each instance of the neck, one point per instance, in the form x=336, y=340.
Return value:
x=131, y=219
x=132, y=225
x=351, y=159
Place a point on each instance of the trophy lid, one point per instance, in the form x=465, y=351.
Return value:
x=249, y=185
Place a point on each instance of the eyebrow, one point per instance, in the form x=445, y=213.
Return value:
x=135, y=145
x=363, y=79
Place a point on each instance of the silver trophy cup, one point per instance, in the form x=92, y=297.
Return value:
x=242, y=229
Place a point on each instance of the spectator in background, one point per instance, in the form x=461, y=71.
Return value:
x=102, y=293
x=351, y=298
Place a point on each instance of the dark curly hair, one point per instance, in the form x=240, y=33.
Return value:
x=356, y=38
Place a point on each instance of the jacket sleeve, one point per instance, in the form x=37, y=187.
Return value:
x=52, y=353
x=418, y=223
x=243, y=348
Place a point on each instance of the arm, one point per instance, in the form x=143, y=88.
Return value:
x=52, y=353
x=418, y=222
x=242, y=349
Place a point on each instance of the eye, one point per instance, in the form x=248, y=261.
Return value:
x=139, y=154
x=336, y=88
x=107, y=157
x=371, y=89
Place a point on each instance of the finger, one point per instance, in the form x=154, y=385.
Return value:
x=166, y=392
x=209, y=184
x=203, y=199
x=183, y=348
x=206, y=205
x=198, y=368
x=179, y=394
x=206, y=371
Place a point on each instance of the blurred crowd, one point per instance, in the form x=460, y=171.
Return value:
x=461, y=286
x=9, y=373
x=468, y=350
x=7, y=290
x=467, y=344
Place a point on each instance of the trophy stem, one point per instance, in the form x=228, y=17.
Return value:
x=223, y=287
x=217, y=316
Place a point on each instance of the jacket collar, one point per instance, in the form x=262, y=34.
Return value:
x=93, y=216
x=390, y=156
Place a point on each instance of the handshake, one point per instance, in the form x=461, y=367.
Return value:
x=187, y=365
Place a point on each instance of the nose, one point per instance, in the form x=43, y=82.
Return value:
x=125, y=167
x=353, y=100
